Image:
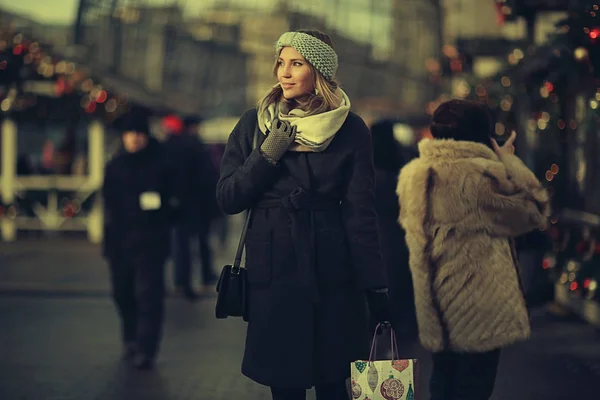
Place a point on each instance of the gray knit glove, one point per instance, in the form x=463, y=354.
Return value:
x=280, y=138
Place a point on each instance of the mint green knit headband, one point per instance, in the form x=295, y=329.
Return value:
x=314, y=50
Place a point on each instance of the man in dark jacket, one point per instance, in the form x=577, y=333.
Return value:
x=140, y=196
x=198, y=208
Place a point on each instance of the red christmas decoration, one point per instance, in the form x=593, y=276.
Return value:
x=392, y=389
x=400, y=365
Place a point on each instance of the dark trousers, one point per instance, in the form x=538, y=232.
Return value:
x=182, y=236
x=463, y=376
x=138, y=290
x=221, y=227
x=332, y=391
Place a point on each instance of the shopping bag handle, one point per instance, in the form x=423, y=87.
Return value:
x=394, y=345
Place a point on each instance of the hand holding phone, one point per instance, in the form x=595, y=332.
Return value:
x=508, y=147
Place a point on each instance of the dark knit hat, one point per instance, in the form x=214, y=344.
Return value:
x=192, y=120
x=462, y=120
x=386, y=150
x=134, y=120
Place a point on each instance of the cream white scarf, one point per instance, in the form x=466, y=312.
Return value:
x=313, y=132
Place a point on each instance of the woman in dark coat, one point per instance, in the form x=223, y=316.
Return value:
x=312, y=247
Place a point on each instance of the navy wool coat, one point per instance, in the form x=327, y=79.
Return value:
x=312, y=249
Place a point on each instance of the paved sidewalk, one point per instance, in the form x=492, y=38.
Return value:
x=53, y=264
x=68, y=349
x=59, y=340
x=60, y=266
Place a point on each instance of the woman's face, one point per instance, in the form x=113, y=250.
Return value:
x=294, y=74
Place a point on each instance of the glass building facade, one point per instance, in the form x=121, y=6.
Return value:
x=398, y=36
x=383, y=45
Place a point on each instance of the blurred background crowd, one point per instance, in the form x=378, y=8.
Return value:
x=69, y=69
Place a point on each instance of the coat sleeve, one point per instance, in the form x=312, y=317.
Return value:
x=511, y=199
x=109, y=193
x=177, y=191
x=245, y=173
x=360, y=215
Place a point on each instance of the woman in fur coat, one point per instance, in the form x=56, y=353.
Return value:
x=461, y=203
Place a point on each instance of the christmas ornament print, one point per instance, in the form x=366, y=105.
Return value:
x=356, y=390
x=372, y=377
x=400, y=365
x=410, y=394
x=360, y=366
x=392, y=389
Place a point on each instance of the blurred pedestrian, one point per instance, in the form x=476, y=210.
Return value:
x=313, y=251
x=388, y=159
x=207, y=200
x=141, y=195
x=461, y=204
x=220, y=224
x=537, y=284
x=199, y=206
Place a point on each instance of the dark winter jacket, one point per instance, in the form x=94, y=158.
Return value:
x=389, y=158
x=312, y=248
x=395, y=254
x=199, y=176
x=131, y=183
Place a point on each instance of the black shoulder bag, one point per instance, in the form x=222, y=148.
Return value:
x=232, y=290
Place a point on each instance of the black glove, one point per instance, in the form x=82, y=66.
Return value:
x=379, y=306
x=280, y=138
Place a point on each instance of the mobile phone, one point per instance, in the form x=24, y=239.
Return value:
x=500, y=139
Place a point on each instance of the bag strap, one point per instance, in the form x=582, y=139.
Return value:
x=240, y=248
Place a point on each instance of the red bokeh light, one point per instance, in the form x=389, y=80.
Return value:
x=91, y=107
x=102, y=96
x=172, y=124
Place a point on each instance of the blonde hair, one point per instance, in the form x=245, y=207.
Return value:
x=325, y=99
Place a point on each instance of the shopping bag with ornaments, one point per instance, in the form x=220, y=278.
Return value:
x=383, y=379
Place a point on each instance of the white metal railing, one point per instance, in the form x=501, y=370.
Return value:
x=52, y=217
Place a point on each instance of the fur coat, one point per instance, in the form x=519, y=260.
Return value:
x=461, y=205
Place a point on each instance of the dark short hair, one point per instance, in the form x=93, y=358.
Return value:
x=386, y=150
x=192, y=120
x=462, y=120
x=134, y=120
